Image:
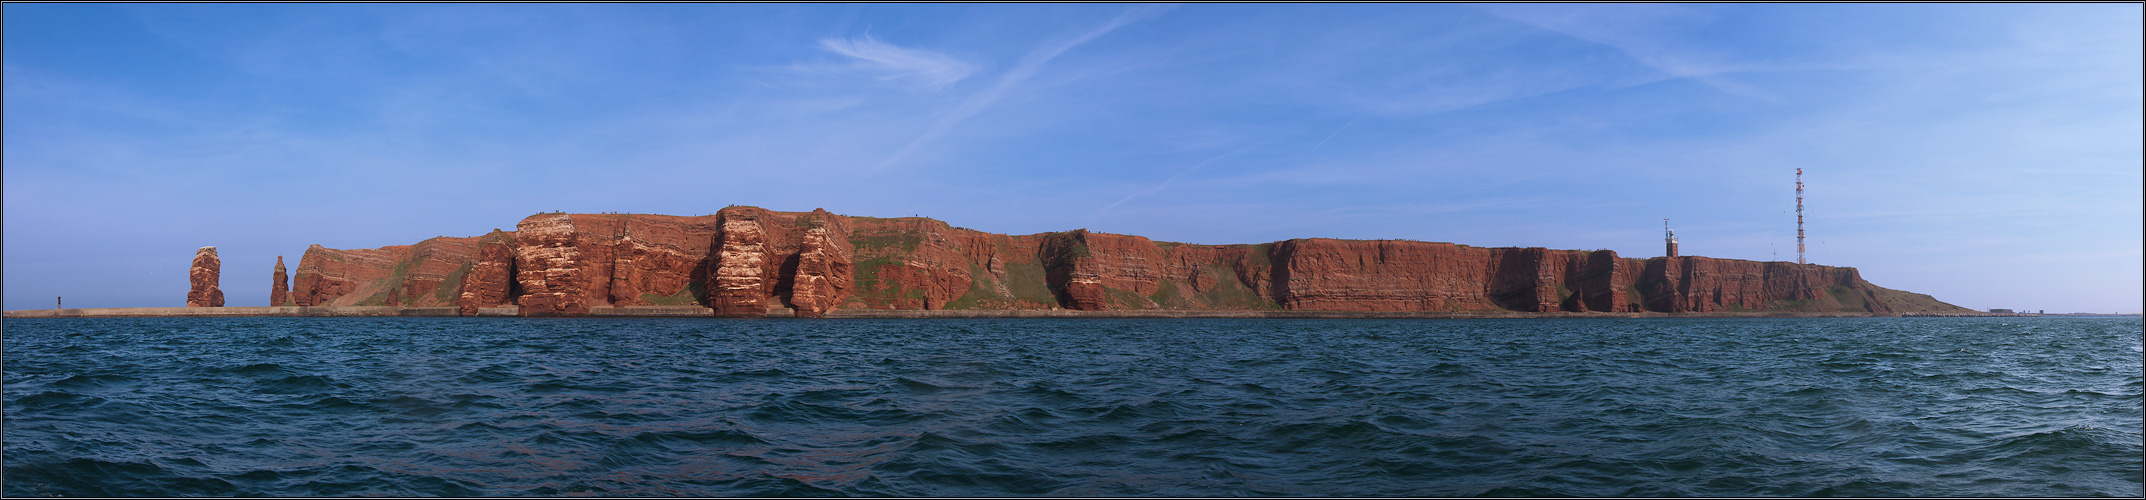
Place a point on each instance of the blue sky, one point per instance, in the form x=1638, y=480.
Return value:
x=1987, y=154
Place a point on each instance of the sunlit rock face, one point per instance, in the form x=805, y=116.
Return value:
x=427, y=274
x=750, y=262
x=205, y=275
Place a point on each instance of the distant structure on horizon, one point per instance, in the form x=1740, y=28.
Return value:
x=1669, y=238
x=1799, y=217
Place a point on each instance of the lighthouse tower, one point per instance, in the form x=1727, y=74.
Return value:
x=1669, y=238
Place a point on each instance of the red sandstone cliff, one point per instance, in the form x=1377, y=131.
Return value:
x=423, y=275
x=205, y=274
x=748, y=262
x=490, y=281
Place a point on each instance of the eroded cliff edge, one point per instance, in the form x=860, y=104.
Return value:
x=749, y=262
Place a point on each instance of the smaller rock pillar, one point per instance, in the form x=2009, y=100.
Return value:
x=280, y=293
x=205, y=274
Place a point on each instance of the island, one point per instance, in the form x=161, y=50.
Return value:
x=745, y=261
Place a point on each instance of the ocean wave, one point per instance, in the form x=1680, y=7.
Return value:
x=660, y=407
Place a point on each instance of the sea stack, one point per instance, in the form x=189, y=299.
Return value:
x=824, y=274
x=741, y=262
x=280, y=293
x=206, y=273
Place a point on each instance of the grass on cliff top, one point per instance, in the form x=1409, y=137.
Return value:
x=1902, y=301
x=907, y=240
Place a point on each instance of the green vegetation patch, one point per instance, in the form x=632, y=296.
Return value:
x=1229, y=293
x=981, y=294
x=1167, y=296
x=906, y=240
x=451, y=289
x=1850, y=299
x=1028, y=281
x=685, y=297
x=871, y=291
x=1902, y=301
x=1126, y=299
x=394, y=285
x=1799, y=305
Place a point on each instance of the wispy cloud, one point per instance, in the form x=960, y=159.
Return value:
x=1636, y=31
x=1172, y=180
x=926, y=68
x=1021, y=72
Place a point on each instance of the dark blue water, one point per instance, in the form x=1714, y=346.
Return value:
x=1640, y=407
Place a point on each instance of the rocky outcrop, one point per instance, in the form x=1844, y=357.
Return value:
x=823, y=277
x=205, y=275
x=565, y=264
x=750, y=262
x=742, y=274
x=490, y=281
x=279, y=294
x=1702, y=284
x=427, y=274
x=549, y=266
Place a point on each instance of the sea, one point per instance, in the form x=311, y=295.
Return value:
x=1071, y=407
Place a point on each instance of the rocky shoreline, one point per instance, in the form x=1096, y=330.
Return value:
x=704, y=312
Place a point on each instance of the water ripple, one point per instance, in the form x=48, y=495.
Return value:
x=678, y=407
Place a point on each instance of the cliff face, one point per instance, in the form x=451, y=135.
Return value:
x=749, y=262
x=204, y=275
x=491, y=280
x=427, y=274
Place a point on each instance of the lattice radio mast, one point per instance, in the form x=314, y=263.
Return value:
x=1799, y=217
x=1669, y=238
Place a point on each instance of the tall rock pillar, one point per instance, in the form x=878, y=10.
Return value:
x=825, y=268
x=205, y=274
x=741, y=278
x=280, y=293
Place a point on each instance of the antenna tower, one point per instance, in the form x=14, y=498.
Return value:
x=1799, y=217
x=1669, y=238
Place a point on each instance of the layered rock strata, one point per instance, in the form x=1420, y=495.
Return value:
x=490, y=281
x=205, y=275
x=751, y=262
x=427, y=274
